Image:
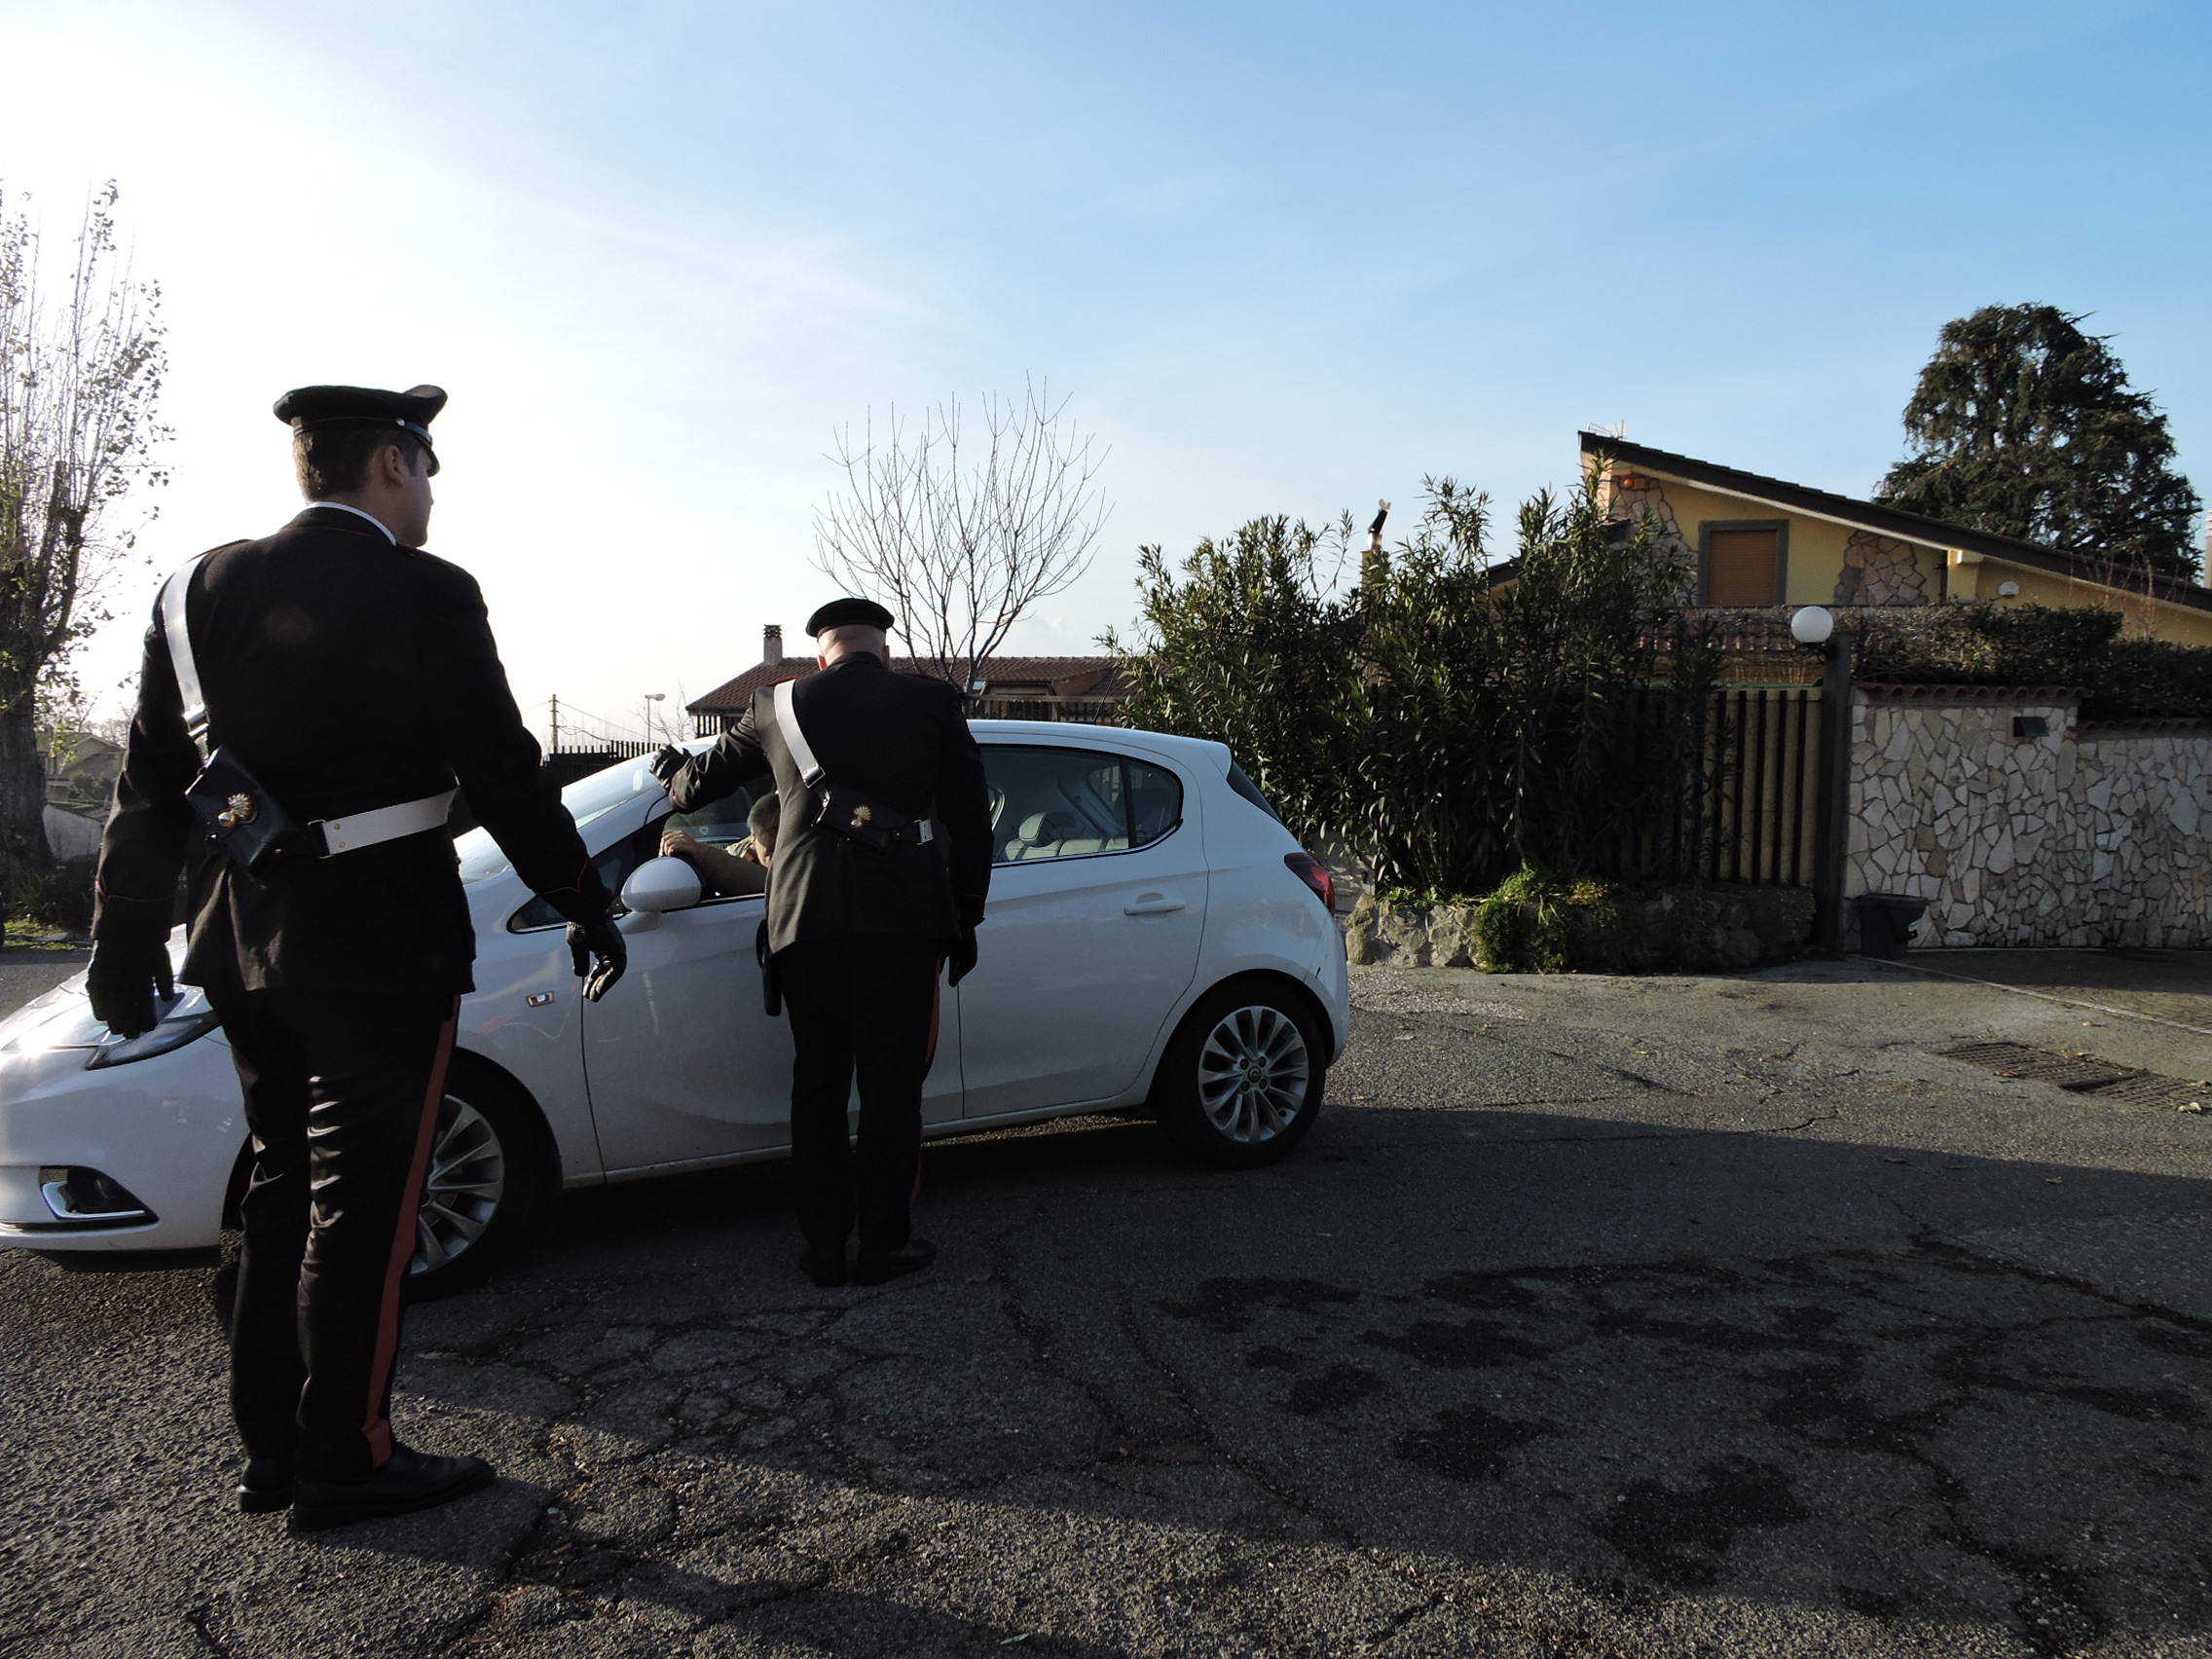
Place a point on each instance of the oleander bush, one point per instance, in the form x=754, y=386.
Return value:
x=1449, y=719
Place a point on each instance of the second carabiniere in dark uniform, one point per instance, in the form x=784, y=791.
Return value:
x=865, y=903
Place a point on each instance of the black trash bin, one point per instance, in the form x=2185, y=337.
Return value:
x=1885, y=923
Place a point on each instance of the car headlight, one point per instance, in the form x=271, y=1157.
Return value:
x=68, y=1022
x=181, y=1024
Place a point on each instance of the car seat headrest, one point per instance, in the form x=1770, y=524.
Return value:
x=1040, y=827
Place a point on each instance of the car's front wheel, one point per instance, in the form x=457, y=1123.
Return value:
x=485, y=1176
x=1242, y=1078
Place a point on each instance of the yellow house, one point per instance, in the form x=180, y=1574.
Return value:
x=1758, y=541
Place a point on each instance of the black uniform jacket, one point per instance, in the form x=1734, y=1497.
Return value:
x=897, y=738
x=345, y=674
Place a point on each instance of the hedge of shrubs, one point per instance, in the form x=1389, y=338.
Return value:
x=1976, y=643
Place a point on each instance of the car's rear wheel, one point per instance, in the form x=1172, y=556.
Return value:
x=485, y=1174
x=1242, y=1079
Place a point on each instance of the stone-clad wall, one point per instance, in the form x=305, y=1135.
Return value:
x=1880, y=570
x=2068, y=840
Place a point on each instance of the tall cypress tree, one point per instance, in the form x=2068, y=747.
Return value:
x=2025, y=426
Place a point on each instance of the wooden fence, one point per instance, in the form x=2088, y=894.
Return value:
x=1752, y=817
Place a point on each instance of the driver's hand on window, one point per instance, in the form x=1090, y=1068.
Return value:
x=676, y=844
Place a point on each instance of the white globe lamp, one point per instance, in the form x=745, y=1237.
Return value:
x=1812, y=624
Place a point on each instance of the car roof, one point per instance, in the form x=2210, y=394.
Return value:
x=1197, y=753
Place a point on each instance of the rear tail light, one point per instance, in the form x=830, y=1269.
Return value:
x=1316, y=875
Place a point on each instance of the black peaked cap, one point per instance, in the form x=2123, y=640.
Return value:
x=849, y=613
x=323, y=405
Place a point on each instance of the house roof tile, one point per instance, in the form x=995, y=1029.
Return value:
x=1005, y=675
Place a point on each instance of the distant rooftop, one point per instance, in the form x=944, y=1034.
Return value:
x=1017, y=687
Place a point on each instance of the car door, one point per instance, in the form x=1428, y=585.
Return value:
x=683, y=1062
x=1098, y=897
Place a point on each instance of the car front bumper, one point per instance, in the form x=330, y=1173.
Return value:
x=167, y=1130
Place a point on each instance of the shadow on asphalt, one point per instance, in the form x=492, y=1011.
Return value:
x=1630, y=1357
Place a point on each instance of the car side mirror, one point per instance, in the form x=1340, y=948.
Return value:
x=657, y=886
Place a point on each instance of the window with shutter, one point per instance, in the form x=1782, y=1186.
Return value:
x=1742, y=567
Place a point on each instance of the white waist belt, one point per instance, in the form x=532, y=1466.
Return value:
x=385, y=824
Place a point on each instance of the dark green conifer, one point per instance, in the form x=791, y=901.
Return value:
x=2025, y=426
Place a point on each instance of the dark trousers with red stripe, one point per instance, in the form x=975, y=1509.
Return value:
x=342, y=1093
x=864, y=1005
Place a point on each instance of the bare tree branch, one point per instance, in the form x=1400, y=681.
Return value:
x=959, y=544
x=78, y=390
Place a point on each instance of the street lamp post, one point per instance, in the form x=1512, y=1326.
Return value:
x=650, y=698
x=1815, y=626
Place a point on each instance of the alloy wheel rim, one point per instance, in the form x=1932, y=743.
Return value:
x=1253, y=1074
x=461, y=1192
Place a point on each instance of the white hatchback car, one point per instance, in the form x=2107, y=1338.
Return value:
x=1156, y=939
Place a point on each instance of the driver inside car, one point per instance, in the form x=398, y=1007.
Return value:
x=732, y=871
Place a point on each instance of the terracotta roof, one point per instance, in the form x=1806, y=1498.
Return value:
x=2126, y=726
x=1007, y=676
x=1888, y=521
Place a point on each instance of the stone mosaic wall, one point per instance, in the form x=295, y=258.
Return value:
x=2070, y=838
x=1880, y=570
x=1648, y=501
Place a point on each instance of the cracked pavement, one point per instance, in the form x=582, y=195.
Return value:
x=1597, y=1317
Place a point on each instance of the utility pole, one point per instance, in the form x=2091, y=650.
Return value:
x=556, y=749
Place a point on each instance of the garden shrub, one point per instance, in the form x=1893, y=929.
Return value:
x=1534, y=922
x=60, y=897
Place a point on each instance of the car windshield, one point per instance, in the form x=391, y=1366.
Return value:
x=587, y=799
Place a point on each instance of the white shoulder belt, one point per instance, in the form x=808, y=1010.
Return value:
x=339, y=834
x=794, y=740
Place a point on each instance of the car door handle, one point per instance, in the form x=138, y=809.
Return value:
x=1151, y=904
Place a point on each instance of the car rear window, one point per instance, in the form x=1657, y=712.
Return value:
x=1057, y=803
x=1250, y=790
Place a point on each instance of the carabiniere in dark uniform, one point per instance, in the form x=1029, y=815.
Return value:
x=866, y=900
x=346, y=683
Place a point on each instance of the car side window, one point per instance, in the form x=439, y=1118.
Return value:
x=1057, y=803
x=719, y=823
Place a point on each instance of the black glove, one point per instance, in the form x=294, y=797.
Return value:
x=665, y=764
x=597, y=953
x=123, y=980
x=959, y=960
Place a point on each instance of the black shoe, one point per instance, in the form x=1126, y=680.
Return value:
x=266, y=1487
x=409, y=1481
x=881, y=1266
x=823, y=1264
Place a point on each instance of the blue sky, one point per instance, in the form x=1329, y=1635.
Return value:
x=1283, y=258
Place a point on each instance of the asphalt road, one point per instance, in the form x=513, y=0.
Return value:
x=1598, y=1316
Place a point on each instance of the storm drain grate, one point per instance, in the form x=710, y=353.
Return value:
x=2148, y=1088
x=2018, y=1060
x=2077, y=1073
